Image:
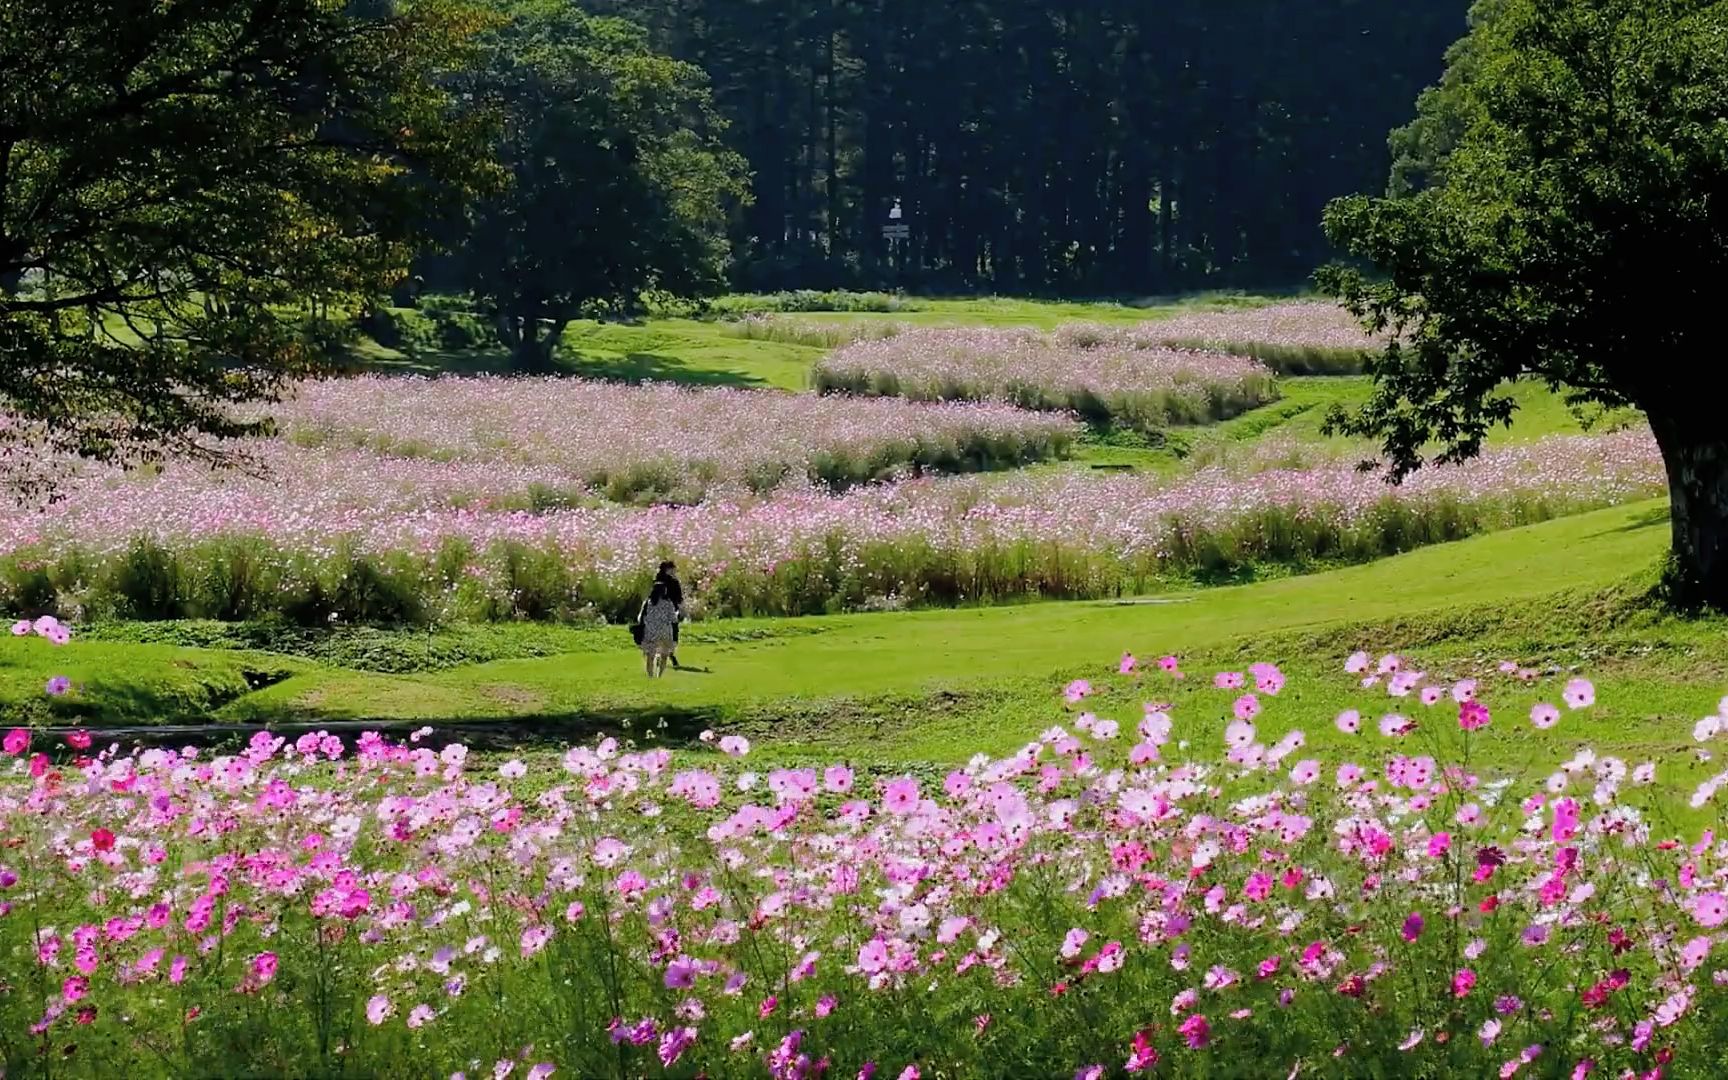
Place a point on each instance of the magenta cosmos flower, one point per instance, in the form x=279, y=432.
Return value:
x=1473, y=715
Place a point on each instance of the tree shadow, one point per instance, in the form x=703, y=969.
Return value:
x=1661, y=515
x=638, y=367
x=653, y=725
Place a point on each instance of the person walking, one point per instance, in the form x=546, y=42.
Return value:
x=668, y=576
x=659, y=621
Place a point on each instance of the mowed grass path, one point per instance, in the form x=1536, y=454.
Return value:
x=937, y=686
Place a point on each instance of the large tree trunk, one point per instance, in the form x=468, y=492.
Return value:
x=531, y=341
x=1696, y=456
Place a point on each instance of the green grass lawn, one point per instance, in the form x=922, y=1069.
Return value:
x=936, y=686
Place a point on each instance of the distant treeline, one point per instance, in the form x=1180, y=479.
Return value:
x=1051, y=145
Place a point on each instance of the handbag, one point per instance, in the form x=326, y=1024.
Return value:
x=636, y=632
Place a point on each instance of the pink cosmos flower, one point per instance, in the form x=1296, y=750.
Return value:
x=1305, y=772
x=378, y=1009
x=734, y=745
x=1357, y=664
x=1695, y=953
x=1246, y=707
x=420, y=1015
x=1349, y=721
x=1710, y=909
x=674, y=1043
x=1239, y=733
x=1473, y=716
x=1196, y=1031
x=1431, y=695
x=1579, y=694
x=1126, y=667
x=1077, y=690
x=1073, y=942
x=1168, y=663
x=1141, y=1055
x=1412, y=926
x=15, y=741
x=900, y=796
x=873, y=956
x=681, y=974
x=534, y=939
x=1463, y=981
x=59, y=685
x=21, y=628
x=264, y=967
x=1228, y=680
x=1464, y=690
x=1544, y=715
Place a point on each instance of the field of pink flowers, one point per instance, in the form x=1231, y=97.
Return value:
x=1307, y=338
x=1107, y=378
x=367, y=539
x=1141, y=889
x=659, y=441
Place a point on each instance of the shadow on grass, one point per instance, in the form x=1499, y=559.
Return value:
x=647, y=725
x=1661, y=515
x=633, y=367
x=650, y=367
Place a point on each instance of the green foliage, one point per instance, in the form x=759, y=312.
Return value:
x=805, y=300
x=1093, y=147
x=620, y=185
x=428, y=329
x=1574, y=233
x=179, y=183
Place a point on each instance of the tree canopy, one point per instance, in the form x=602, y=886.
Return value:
x=1050, y=146
x=180, y=182
x=1574, y=231
x=620, y=185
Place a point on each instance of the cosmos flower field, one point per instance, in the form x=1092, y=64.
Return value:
x=1107, y=378
x=369, y=536
x=1143, y=889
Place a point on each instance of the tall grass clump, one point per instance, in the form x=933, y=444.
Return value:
x=1102, y=380
x=1134, y=891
